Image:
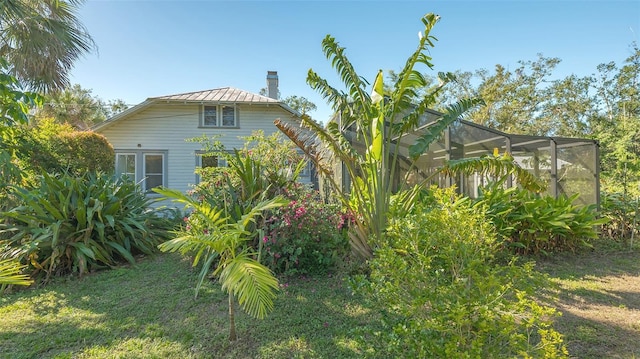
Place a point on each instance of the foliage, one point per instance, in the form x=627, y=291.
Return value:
x=42, y=39
x=376, y=121
x=222, y=241
x=300, y=104
x=443, y=294
x=74, y=224
x=622, y=214
x=528, y=100
x=55, y=148
x=78, y=107
x=83, y=151
x=617, y=125
x=14, y=103
x=305, y=236
x=11, y=273
x=531, y=223
x=14, y=110
x=266, y=165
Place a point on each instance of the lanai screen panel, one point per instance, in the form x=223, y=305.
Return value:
x=469, y=140
x=577, y=172
x=533, y=154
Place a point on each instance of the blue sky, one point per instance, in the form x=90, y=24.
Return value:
x=155, y=48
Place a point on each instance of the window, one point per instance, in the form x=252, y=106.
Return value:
x=153, y=171
x=210, y=116
x=147, y=167
x=208, y=161
x=219, y=116
x=126, y=165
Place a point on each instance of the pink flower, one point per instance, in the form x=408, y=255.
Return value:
x=265, y=239
x=186, y=219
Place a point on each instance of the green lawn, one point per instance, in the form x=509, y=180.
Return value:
x=149, y=311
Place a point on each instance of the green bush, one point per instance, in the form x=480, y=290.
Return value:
x=78, y=224
x=83, y=151
x=54, y=148
x=442, y=294
x=306, y=236
x=529, y=223
x=621, y=213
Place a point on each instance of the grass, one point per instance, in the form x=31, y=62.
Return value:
x=149, y=311
x=599, y=297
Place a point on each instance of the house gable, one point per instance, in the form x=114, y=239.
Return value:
x=161, y=126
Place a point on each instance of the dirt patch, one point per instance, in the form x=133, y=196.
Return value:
x=598, y=295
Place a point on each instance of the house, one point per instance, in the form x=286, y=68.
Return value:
x=149, y=139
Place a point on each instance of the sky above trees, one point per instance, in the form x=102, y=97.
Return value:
x=148, y=49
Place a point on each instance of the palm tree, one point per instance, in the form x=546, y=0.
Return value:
x=380, y=122
x=224, y=240
x=41, y=39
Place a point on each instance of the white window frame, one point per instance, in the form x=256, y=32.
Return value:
x=220, y=116
x=144, y=169
x=140, y=175
x=135, y=165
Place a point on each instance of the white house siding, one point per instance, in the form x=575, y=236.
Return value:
x=166, y=126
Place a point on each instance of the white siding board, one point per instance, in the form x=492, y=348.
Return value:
x=166, y=126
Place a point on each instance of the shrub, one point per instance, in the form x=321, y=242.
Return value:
x=529, y=223
x=83, y=151
x=77, y=224
x=55, y=148
x=306, y=236
x=621, y=213
x=442, y=294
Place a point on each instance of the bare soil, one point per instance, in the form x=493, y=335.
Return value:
x=599, y=298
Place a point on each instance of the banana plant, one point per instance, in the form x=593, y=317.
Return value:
x=222, y=241
x=369, y=129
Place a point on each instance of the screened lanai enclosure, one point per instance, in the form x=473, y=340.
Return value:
x=567, y=165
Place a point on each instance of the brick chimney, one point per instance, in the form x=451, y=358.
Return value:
x=272, y=84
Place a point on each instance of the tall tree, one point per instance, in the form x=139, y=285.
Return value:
x=78, y=107
x=73, y=105
x=42, y=39
x=300, y=104
x=617, y=124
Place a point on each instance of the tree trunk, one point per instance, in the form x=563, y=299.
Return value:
x=232, y=319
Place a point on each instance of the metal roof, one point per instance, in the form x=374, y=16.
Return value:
x=224, y=94
x=219, y=95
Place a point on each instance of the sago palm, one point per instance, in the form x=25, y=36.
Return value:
x=222, y=241
x=367, y=135
x=42, y=39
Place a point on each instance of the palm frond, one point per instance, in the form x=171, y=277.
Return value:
x=496, y=166
x=11, y=273
x=354, y=83
x=410, y=78
x=337, y=99
x=252, y=283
